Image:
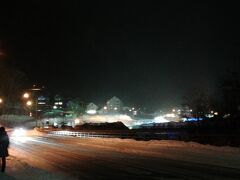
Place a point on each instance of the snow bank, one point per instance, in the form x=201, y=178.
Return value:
x=125, y=119
x=176, y=150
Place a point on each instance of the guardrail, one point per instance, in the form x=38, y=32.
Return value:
x=88, y=134
x=122, y=135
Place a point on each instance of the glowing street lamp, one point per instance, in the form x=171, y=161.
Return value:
x=26, y=95
x=1, y=100
x=77, y=121
x=33, y=103
x=29, y=103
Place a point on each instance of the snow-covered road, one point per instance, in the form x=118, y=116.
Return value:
x=49, y=157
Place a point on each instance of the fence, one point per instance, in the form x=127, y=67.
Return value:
x=123, y=135
x=89, y=134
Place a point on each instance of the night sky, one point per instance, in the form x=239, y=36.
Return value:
x=146, y=53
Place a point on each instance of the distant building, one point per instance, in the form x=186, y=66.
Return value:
x=43, y=103
x=114, y=105
x=103, y=110
x=91, y=108
x=58, y=102
x=40, y=99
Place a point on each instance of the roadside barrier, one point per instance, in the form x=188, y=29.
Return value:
x=89, y=134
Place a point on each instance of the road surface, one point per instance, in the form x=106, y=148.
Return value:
x=99, y=158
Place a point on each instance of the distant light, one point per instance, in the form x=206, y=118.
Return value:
x=105, y=107
x=19, y=132
x=170, y=115
x=115, y=108
x=210, y=115
x=54, y=107
x=77, y=121
x=92, y=111
x=26, y=95
x=212, y=112
x=60, y=103
x=173, y=110
x=191, y=110
x=36, y=89
x=133, y=108
x=55, y=124
x=134, y=113
x=161, y=119
x=193, y=119
x=179, y=110
x=41, y=103
x=130, y=110
x=216, y=113
x=30, y=114
x=1, y=100
x=29, y=103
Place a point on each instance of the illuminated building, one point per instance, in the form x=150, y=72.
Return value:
x=114, y=105
x=58, y=102
x=92, y=108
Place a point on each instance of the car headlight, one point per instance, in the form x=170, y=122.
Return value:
x=19, y=132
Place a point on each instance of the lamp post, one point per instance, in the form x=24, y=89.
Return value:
x=29, y=104
x=1, y=102
x=26, y=95
x=36, y=109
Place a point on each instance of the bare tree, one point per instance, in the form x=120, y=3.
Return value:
x=75, y=106
x=230, y=92
x=12, y=83
x=198, y=99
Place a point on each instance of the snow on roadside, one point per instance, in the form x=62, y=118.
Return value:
x=170, y=149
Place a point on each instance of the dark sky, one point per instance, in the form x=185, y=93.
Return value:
x=145, y=53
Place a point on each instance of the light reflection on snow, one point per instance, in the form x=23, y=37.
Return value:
x=160, y=119
x=20, y=139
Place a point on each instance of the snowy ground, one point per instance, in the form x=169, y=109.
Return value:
x=18, y=169
x=49, y=157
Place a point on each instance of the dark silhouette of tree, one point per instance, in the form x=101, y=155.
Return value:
x=199, y=100
x=76, y=106
x=12, y=84
x=230, y=93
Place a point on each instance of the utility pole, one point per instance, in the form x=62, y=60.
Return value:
x=36, y=109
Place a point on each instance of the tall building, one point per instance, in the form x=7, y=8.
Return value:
x=58, y=102
x=38, y=99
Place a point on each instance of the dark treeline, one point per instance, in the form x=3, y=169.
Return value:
x=225, y=98
x=12, y=84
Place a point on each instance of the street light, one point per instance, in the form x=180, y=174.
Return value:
x=26, y=95
x=29, y=103
x=1, y=102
